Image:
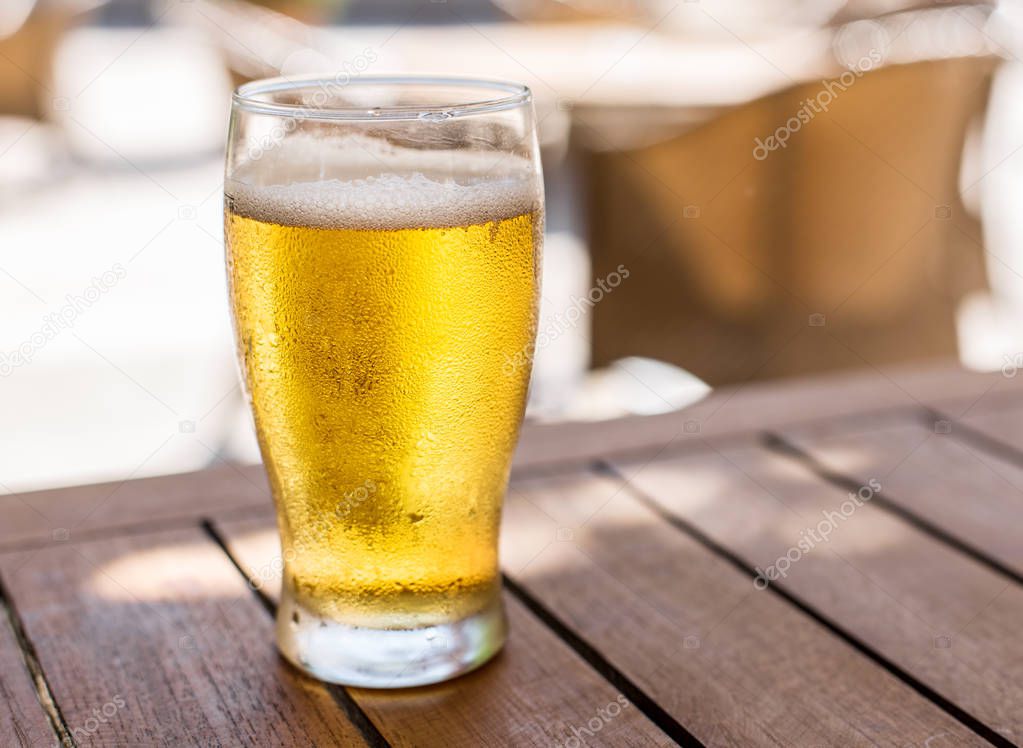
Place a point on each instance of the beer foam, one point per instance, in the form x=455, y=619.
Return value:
x=410, y=189
x=387, y=202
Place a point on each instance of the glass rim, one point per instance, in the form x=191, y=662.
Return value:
x=511, y=95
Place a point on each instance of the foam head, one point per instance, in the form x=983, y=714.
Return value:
x=376, y=185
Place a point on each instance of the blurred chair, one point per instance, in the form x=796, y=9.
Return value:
x=847, y=247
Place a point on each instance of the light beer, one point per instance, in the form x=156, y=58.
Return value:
x=375, y=318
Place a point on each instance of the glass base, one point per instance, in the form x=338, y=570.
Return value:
x=388, y=658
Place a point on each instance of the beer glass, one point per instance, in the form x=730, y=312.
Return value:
x=383, y=240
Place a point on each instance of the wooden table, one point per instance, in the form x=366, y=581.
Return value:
x=139, y=613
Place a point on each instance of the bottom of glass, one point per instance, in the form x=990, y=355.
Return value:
x=387, y=658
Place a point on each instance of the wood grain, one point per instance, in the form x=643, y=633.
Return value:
x=942, y=617
x=734, y=665
x=971, y=494
x=156, y=640
x=55, y=516
x=134, y=611
x=537, y=692
x=23, y=721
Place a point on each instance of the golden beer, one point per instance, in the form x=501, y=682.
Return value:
x=375, y=321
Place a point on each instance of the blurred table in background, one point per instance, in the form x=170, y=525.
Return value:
x=830, y=561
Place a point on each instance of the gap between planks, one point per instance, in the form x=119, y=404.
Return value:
x=777, y=588
x=781, y=445
x=964, y=432
x=614, y=677
x=28, y=655
x=340, y=694
x=636, y=695
x=217, y=539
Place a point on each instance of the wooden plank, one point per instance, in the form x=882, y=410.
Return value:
x=963, y=490
x=86, y=511
x=734, y=665
x=941, y=617
x=23, y=721
x=157, y=640
x=1004, y=396
x=535, y=693
x=746, y=409
x=57, y=515
x=999, y=419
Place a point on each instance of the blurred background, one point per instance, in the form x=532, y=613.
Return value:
x=737, y=190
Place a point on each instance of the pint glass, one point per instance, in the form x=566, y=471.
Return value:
x=383, y=240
